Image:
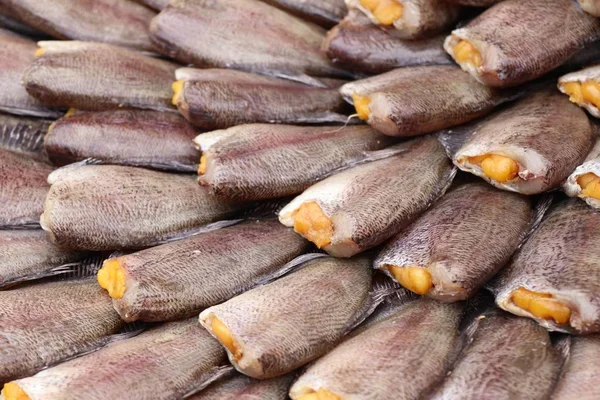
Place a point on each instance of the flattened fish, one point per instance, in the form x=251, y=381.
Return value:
x=500, y=48
x=119, y=22
x=220, y=98
x=580, y=373
x=166, y=362
x=417, y=100
x=241, y=387
x=323, y=12
x=529, y=147
x=24, y=135
x=555, y=277
x=591, y=6
x=363, y=206
x=127, y=137
x=105, y=207
x=584, y=182
x=262, y=161
x=97, y=76
x=583, y=88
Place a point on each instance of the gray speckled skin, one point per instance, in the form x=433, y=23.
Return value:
x=119, y=22
x=292, y=321
x=323, y=12
x=43, y=324
x=400, y=357
x=592, y=7
x=181, y=278
x=579, y=378
x=163, y=363
x=242, y=387
x=96, y=76
x=104, y=207
x=127, y=137
x=561, y=258
x=24, y=135
x=262, y=161
x=512, y=52
x=463, y=240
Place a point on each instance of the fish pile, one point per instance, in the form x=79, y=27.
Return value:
x=305, y=199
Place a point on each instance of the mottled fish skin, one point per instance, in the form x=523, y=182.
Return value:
x=263, y=161
x=400, y=357
x=220, y=98
x=154, y=4
x=96, y=76
x=357, y=45
x=24, y=135
x=191, y=31
x=561, y=258
x=579, y=377
x=370, y=203
x=242, y=387
x=40, y=325
x=292, y=321
x=166, y=362
x=462, y=240
x=590, y=164
x=399, y=105
x=586, y=74
x=591, y=6
x=323, y=12
x=512, y=52
x=119, y=22
x=16, y=54
x=105, y=207
x=506, y=358
x=126, y=137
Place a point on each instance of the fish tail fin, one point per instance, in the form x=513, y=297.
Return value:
x=210, y=377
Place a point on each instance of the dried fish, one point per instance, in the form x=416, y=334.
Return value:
x=583, y=88
x=24, y=135
x=591, y=6
x=584, y=182
x=323, y=12
x=241, y=387
x=580, y=373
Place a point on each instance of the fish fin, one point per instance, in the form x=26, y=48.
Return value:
x=562, y=344
x=48, y=113
x=210, y=377
x=453, y=138
x=296, y=263
x=301, y=78
x=23, y=136
x=166, y=166
x=264, y=209
x=195, y=231
x=543, y=204
x=26, y=226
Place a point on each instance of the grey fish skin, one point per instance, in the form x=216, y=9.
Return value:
x=579, y=375
x=125, y=137
x=166, y=362
x=366, y=205
x=325, y=13
x=105, y=207
x=285, y=324
x=400, y=357
x=505, y=358
x=42, y=324
x=591, y=164
x=548, y=263
x=118, y=22
x=462, y=241
x=24, y=135
x=263, y=161
x=357, y=45
x=511, y=56
x=591, y=7
x=399, y=105
x=179, y=279
x=97, y=76
x=242, y=387
x=221, y=98
x=154, y=4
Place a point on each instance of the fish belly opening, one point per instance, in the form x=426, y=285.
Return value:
x=223, y=335
x=12, y=391
x=361, y=104
x=202, y=166
x=415, y=279
x=385, y=11
x=582, y=92
x=40, y=51
x=112, y=278
x=311, y=222
x=499, y=168
x=466, y=53
x=177, y=87
x=590, y=185
x=320, y=394
x=541, y=305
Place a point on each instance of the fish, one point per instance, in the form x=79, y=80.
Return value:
x=220, y=98
x=591, y=6
x=550, y=283
x=166, y=362
x=455, y=247
x=181, y=278
x=9, y=23
x=242, y=387
x=505, y=358
x=119, y=22
x=16, y=54
x=584, y=182
x=264, y=161
x=154, y=4
x=362, y=207
x=357, y=45
x=475, y=3
x=141, y=138
x=24, y=135
x=325, y=13
x=401, y=356
x=109, y=207
x=578, y=376
x=282, y=45
x=397, y=104
x=409, y=19
x=583, y=88
x=97, y=76
x=499, y=56
x=530, y=146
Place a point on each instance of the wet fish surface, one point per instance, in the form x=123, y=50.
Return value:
x=325, y=13
x=242, y=387
x=24, y=135
x=580, y=370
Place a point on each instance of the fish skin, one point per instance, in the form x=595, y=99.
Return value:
x=402, y=356
x=579, y=374
x=401, y=107
x=547, y=264
x=505, y=358
x=520, y=54
x=325, y=13
x=24, y=135
x=262, y=161
x=40, y=325
x=154, y=4
x=105, y=207
x=287, y=323
x=591, y=7
x=165, y=362
x=179, y=279
x=98, y=76
x=118, y=22
x=242, y=387
x=115, y=136
x=370, y=203
x=461, y=240
x=357, y=45
x=590, y=73
x=590, y=164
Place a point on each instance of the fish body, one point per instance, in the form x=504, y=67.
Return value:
x=576, y=186
x=242, y=387
x=154, y=4
x=591, y=6
x=322, y=12
x=578, y=376
x=580, y=85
